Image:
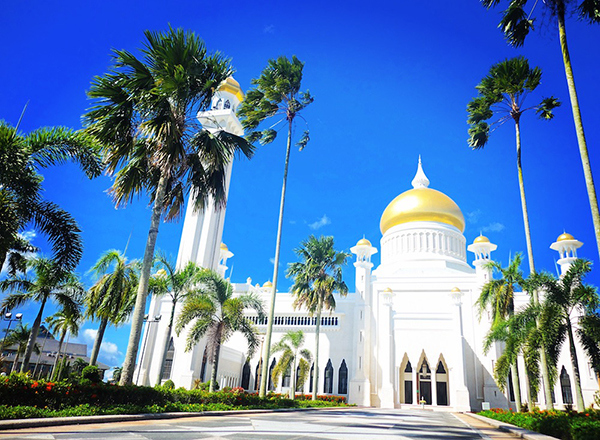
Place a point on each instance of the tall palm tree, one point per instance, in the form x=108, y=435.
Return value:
x=21, y=191
x=19, y=336
x=145, y=115
x=276, y=94
x=292, y=357
x=112, y=297
x=497, y=297
x=64, y=321
x=502, y=93
x=50, y=282
x=178, y=284
x=516, y=24
x=567, y=299
x=214, y=312
x=316, y=277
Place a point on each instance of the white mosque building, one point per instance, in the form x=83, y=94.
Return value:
x=409, y=335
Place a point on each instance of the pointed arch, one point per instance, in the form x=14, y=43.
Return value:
x=203, y=367
x=246, y=376
x=406, y=380
x=565, y=387
x=257, y=376
x=343, y=378
x=168, y=364
x=424, y=380
x=312, y=371
x=328, y=380
x=441, y=381
x=271, y=385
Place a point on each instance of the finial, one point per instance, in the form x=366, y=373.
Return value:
x=420, y=180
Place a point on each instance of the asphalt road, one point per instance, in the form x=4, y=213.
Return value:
x=358, y=423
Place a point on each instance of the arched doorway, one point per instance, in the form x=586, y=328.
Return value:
x=441, y=383
x=565, y=387
x=424, y=382
x=328, y=381
x=406, y=381
x=246, y=376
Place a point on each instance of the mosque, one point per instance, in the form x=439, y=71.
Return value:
x=409, y=336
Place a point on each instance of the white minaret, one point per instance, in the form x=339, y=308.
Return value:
x=566, y=246
x=203, y=230
x=360, y=385
x=482, y=248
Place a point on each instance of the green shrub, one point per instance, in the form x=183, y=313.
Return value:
x=91, y=373
x=169, y=385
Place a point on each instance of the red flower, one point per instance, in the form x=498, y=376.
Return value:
x=34, y=384
x=94, y=396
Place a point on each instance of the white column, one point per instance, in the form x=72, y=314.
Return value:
x=457, y=375
x=386, y=349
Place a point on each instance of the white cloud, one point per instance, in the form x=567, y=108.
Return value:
x=89, y=335
x=320, y=223
x=272, y=260
x=269, y=29
x=473, y=216
x=109, y=351
x=493, y=227
x=29, y=236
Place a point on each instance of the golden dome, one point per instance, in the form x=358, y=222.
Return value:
x=565, y=236
x=232, y=86
x=481, y=239
x=224, y=247
x=363, y=242
x=268, y=284
x=455, y=289
x=422, y=204
x=388, y=290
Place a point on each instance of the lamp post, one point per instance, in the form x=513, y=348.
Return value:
x=8, y=317
x=148, y=321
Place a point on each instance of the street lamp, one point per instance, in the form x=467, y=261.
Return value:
x=148, y=322
x=8, y=317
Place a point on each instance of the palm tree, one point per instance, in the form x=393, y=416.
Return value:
x=50, y=282
x=21, y=191
x=566, y=298
x=497, y=297
x=277, y=94
x=215, y=313
x=64, y=321
x=291, y=358
x=19, y=336
x=316, y=277
x=516, y=24
x=145, y=115
x=177, y=284
x=112, y=297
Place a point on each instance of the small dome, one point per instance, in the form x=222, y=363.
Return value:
x=455, y=289
x=268, y=284
x=161, y=273
x=224, y=247
x=363, y=242
x=565, y=236
x=481, y=239
x=232, y=86
x=388, y=290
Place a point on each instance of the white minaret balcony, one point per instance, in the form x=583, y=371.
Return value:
x=363, y=251
x=482, y=248
x=224, y=254
x=566, y=245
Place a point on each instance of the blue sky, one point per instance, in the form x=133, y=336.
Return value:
x=391, y=81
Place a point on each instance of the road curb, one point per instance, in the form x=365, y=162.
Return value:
x=515, y=430
x=87, y=420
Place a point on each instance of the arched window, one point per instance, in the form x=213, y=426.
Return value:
x=328, y=382
x=312, y=372
x=227, y=104
x=408, y=383
x=168, y=365
x=424, y=383
x=343, y=379
x=287, y=376
x=441, y=383
x=246, y=376
x=271, y=386
x=218, y=104
x=565, y=387
x=203, y=368
x=257, y=377
x=298, y=378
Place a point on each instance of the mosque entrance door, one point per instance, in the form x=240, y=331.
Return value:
x=425, y=383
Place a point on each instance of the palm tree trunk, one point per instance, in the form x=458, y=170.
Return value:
x=142, y=293
x=14, y=365
x=317, y=331
x=575, y=364
x=523, y=199
x=516, y=386
x=267, y=347
x=583, y=151
x=60, y=343
x=215, y=366
x=37, y=364
x=161, y=368
x=294, y=367
x=32, y=337
x=98, y=341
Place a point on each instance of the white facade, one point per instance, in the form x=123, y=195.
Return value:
x=409, y=335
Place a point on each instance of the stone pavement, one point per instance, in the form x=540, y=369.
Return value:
x=342, y=423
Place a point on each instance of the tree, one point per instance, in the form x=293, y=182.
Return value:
x=568, y=298
x=21, y=191
x=145, y=116
x=276, y=94
x=117, y=373
x=214, y=312
x=19, y=336
x=112, y=297
x=50, y=282
x=291, y=358
x=497, y=297
x=64, y=321
x=316, y=277
x=516, y=24
x=178, y=284
x=502, y=92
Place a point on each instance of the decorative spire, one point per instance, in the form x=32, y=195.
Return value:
x=420, y=180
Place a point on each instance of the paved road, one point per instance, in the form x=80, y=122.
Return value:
x=331, y=424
